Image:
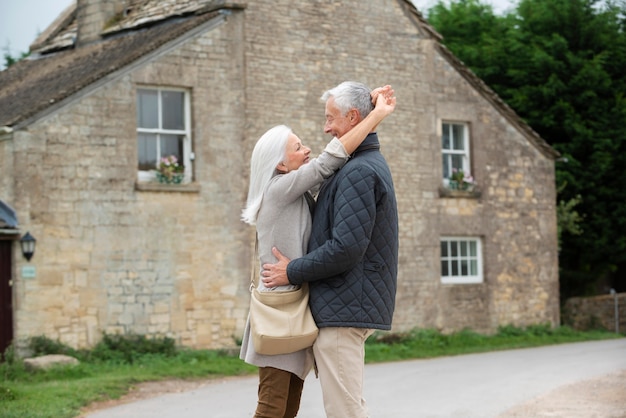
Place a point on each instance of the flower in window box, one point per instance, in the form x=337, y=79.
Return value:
x=461, y=181
x=169, y=171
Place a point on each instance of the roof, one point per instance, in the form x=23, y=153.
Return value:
x=59, y=70
x=33, y=85
x=62, y=33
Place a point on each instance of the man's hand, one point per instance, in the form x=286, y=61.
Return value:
x=276, y=274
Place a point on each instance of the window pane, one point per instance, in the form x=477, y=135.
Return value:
x=172, y=145
x=455, y=268
x=457, y=161
x=453, y=249
x=147, y=109
x=147, y=151
x=457, y=136
x=444, y=268
x=463, y=248
x=447, y=171
x=445, y=136
x=463, y=267
x=173, y=110
x=444, y=249
x=473, y=267
x=473, y=249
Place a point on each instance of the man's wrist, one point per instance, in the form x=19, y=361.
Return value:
x=287, y=274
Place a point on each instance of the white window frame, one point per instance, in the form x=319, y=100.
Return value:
x=461, y=261
x=188, y=155
x=449, y=153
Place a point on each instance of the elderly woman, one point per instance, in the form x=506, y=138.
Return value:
x=282, y=174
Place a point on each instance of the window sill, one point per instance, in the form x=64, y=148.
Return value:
x=456, y=194
x=461, y=281
x=160, y=187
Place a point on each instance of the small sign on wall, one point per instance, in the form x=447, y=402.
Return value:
x=29, y=272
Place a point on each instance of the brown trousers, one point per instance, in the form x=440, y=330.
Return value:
x=279, y=393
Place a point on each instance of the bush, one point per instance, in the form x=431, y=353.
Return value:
x=510, y=331
x=42, y=345
x=129, y=348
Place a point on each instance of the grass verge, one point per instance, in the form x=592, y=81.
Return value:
x=427, y=343
x=61, y=392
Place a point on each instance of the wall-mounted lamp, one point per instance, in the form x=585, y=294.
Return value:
x=28, y=246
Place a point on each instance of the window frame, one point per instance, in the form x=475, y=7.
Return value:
x=150, y=175
x=461, y=279
x=449, y=153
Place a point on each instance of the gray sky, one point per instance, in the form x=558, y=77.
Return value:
x=22, y=20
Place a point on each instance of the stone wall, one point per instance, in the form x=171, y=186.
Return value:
x=597, y=312
x=115, y=258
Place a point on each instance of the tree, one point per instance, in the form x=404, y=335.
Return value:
x=9, y=59
x=559, y=64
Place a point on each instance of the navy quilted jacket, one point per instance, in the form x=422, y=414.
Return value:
x=352, y=264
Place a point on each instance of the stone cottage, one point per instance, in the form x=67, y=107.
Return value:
x=113, y=86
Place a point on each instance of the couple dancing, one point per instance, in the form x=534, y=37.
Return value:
x=345, y=246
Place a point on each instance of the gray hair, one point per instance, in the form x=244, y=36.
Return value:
x=351, y=95
x=268, y=152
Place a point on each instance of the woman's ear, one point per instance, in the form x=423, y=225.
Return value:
x=282, y=168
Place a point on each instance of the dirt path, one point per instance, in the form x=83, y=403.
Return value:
x=598, y=398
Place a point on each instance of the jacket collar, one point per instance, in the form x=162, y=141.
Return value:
x=370, y=142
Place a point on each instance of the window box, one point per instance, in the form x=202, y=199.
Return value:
x=460, y=185
x=175, y=178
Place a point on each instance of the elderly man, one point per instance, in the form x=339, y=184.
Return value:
x=352, y=262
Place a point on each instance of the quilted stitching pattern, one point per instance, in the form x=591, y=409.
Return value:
x=353, y=260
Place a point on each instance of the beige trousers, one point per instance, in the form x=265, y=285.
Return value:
x=340, y=358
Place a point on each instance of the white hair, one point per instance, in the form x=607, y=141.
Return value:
x=351, y=95
x=268, y=152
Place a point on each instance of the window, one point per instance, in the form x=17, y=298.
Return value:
x=461, y=260
x=454, y=149
x=162, y=129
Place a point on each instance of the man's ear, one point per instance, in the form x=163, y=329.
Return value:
x=354, y=117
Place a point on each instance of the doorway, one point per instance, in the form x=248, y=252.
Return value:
x=6, y=297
